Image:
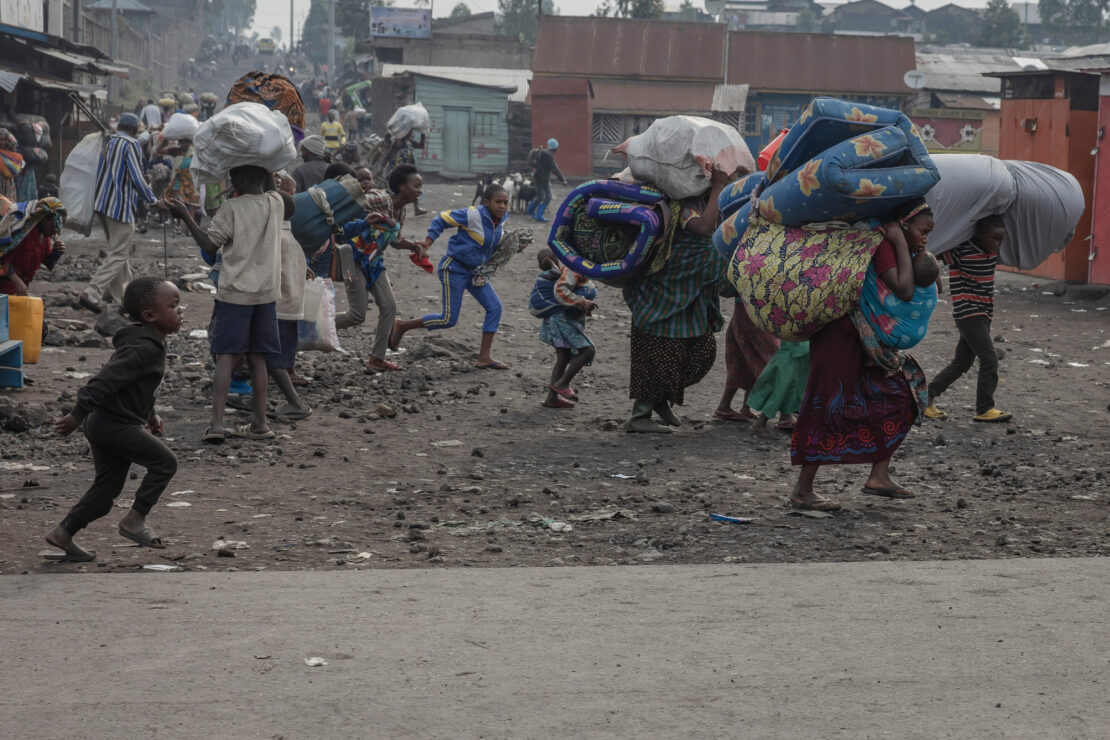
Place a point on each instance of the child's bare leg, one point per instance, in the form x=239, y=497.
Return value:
x=725, y=404
x=744, y=406
x=577, y=362
x=759, y=423
x=402, y=327
x=221, y=382
x=484, y=357
x=285, y=385
x=562, y=358
x=803, y=489
x=259, y=383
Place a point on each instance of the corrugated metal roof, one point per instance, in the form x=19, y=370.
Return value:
x=962, y=71
x=518, y=78
x=124, y=6
x=820, y=63
x=633, y=49
x=615, y=96
x=969, y=102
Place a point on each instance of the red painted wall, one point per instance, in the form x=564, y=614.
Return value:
x=562, y=109
x=1063, y=138
x=1100, y=233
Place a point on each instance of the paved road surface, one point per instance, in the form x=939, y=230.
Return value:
x=976, y=649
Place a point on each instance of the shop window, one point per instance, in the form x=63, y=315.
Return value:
x=485, y=124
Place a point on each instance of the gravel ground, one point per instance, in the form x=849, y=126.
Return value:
x=473, y=472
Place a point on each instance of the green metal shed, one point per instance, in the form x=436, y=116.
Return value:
x=470, y=126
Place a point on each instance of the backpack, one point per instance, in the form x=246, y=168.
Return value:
x=542, y=301
x=534, y=158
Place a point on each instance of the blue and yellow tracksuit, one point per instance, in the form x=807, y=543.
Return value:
x=471, y=246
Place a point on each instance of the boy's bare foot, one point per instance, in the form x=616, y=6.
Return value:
x=381, y=365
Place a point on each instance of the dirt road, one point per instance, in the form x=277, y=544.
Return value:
x=472, y=471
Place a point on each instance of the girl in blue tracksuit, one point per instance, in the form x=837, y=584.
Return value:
x=479, y=232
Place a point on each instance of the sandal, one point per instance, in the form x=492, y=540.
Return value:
x=288, y=413
x=495, y=365
x=558, y=404
x=72, y=554
x=894, y=491
x=145, y=537
x=567, y=393
x=821, y=504
x=381, y=366
x=214, y=436
x=244, y=431
x=731, y=415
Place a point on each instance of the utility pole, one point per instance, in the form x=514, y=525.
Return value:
x=114, y=26
x=331, y=47
x=78, y=23
x=292, y=31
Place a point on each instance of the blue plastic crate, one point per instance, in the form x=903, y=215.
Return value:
x=4, y=317
x=11, y=360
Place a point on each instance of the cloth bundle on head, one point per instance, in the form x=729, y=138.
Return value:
x=842, y=161
x=314, y=145
x=678, y=154
x=276, y=92
x=17, y=219
x=239, y=135
x=407, y=119
x=1040, y=205
x=181, y=126
x=608, y=230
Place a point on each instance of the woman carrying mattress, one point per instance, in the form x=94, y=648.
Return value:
x=675, y=314
x=863, y=395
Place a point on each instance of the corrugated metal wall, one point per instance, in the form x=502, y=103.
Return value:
x=486, y=141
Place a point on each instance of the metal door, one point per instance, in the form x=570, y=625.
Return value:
x=456, y=140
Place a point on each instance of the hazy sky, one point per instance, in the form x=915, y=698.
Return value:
x=272, y=13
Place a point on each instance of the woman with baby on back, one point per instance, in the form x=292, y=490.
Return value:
x=863, y=393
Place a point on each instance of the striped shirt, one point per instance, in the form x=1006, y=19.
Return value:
x=971, y=281
x=119, y=180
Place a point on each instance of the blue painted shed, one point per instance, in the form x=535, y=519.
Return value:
x=469, y=122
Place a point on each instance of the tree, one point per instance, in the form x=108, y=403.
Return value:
x=1075, y=21
x=275, y=34
x=352, y=18
x=687, y=11
x=631, y=9
x=230, y=15
x=807, y=21
x=1002, y=27
x=518, y=18
x=461, y=10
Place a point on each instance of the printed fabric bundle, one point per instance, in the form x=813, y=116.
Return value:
x=898, y=324
x=17, y=219
x=608, y=230
x=793, y=280
x=274, y=91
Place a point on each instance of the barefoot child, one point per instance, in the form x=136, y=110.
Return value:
x=563, y=299
x=247, y=234
x=971, y=285
x=479, y=233
x=117, y=409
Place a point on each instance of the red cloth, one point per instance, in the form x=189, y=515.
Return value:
x=25, y=260
x=852, y=412
x=422, y=262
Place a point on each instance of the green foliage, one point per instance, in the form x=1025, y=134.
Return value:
x=631, y=9
x=1002, y=27
x=352, y=19
x=1075, y=21
x=807, y=21
x=687, y=11
x=518, y=18
x=275, y=34
x=461, y=10
x=229, y=15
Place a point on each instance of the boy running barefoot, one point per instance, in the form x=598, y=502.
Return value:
x=117, y=408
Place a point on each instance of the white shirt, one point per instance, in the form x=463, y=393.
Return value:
x=151, y=115
x=247, y=231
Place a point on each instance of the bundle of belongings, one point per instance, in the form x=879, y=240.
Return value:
x=1039, y=204
x=239, y=135
x=274, y=91
x=407, y=119
x=18, y=219
x=799, y=237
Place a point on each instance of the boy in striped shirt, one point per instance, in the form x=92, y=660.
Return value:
x=971, y=282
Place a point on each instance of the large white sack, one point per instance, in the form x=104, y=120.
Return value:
x=242, y=134
x=408, y=119
x=678, y=153
x=1039, y=204
x=77, y=185
x=180, y=126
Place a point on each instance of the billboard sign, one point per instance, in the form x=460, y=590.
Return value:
x=405, y=23
x=22, y=13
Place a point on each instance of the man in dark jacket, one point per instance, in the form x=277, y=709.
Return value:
x=544, y=167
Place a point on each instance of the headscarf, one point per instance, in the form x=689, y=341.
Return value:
x=314, y=144
x=18, y=219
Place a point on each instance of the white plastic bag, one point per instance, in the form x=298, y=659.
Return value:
x=242, y=134
x=677, y=154
x=317, y=330
x=180, y=126
x=408, y=119
x=77, y=186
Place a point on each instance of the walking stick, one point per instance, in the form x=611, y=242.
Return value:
x=165, y=255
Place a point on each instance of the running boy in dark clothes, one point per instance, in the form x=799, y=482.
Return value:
x=971, y=284
x=117, y=408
